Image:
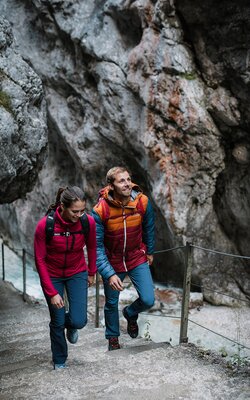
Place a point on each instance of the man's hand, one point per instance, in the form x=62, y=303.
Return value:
x=57, y=301
x=115, y=283
x=91, y=280
x=150, y=258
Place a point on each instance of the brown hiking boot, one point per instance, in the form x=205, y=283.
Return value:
x=114, y=343
x=132, y=327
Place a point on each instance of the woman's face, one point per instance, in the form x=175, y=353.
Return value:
x=74, y=212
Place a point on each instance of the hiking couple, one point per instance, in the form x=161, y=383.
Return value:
x=119, y=238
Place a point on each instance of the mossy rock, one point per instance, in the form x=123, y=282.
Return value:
x=5, y=101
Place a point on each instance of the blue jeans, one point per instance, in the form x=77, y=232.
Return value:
x=76, y=287
x=142, y=281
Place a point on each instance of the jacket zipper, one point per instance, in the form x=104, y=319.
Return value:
x=125, y=239
x=65, y=255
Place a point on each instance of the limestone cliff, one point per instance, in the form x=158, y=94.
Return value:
x=163, y=87
x=23, y=125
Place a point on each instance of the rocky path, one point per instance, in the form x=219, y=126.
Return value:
x=140, y=370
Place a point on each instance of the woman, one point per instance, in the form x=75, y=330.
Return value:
x=62, y=267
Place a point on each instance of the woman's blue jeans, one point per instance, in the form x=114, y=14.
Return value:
x=76, y=287
x=142, y=280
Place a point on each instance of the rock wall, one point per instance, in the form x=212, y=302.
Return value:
x=162, y=87
x=23, y=130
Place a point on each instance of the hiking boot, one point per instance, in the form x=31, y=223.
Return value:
x=114, y=344
x=60, y=366
x=72, y=335
x=132, y=327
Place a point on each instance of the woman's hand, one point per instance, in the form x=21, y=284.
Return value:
x=57, y=301
x=91, y=280
x=150, y=259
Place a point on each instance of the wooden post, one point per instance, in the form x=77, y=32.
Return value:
x=186, y=294
x=3, y=266
x=97, y=289
x=24, y=274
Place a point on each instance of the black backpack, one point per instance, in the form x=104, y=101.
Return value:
x=50, y=222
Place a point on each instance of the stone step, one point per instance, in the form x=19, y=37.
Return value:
x=141, y=369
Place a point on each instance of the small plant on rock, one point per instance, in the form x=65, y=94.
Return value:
x=147, y=333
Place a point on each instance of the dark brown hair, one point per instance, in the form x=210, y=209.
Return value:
x=66, y=196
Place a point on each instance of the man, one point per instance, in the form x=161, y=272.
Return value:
x=125, y=244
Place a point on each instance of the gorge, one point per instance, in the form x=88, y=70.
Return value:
x=161, y=86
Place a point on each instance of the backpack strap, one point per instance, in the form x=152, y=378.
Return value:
x=85, y=224
x=50, y=223
x=49, y=227
x=141, y=207
x=105, y=210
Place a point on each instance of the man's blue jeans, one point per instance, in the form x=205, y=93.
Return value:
x=142, y=281
x=76, y=287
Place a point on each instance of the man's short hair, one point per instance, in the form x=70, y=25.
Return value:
x=112, y=172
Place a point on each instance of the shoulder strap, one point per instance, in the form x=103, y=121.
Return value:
x=50, y=223
x=141, y=208
x=105, y=210
x=49, y=227
x=85, y=224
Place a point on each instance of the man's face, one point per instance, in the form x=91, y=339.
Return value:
x=122, y=186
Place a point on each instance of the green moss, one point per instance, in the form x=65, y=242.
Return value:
x=189, y=76
x=5, y=101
